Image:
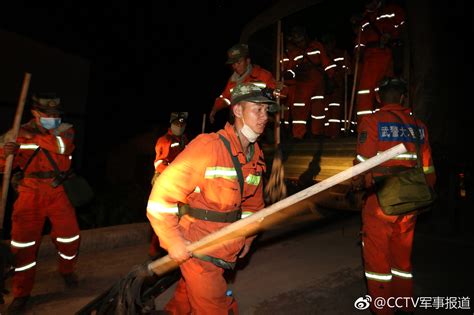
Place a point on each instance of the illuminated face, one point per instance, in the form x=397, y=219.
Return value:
x=241, y=66
x=255, y=115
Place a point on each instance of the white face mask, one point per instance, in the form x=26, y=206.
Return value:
x=248, y=132
x=176, y=130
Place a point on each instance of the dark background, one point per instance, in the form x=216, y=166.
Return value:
x=148, y=59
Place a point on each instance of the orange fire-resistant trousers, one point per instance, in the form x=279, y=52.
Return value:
x=201, y=291
x=29, y=214
x=376, y=63
x=308, y=93
x=387, y=245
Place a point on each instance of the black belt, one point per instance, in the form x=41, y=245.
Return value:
x=389, y=170
x=41, y=175
x=209, y=215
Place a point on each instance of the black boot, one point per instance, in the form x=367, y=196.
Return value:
x=18, y=305
x=71, y=280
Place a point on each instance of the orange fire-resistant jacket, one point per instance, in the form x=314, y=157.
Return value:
x=258, y=75
x=304, y=62
x=387, y=20
x=203, y=176
x=383, y=130
x=167, y=148
x=59, y=142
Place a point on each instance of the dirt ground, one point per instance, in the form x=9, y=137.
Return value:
x=312, y=267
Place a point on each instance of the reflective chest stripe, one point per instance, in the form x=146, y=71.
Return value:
x=174, y=144
x=29, y=146
x=223, y=172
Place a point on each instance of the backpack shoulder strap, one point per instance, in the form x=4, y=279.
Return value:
x=237, y=166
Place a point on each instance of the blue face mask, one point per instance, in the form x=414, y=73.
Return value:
x=50, y=123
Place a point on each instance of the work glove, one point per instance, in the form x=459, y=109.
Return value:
x=10, y=148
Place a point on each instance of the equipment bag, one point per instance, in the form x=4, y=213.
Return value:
x=405, y=191
x=76, y=187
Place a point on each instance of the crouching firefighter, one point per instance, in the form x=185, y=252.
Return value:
x=219, y=177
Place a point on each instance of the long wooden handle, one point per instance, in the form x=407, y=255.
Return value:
x=277, y=77
x=14, y=135
x=354, y=82
x=249, y=225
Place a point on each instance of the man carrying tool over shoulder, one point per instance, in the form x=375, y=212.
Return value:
x=220, y=177
x=41, y=195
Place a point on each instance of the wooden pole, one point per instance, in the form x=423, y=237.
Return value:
x=203, y=129
x=354, y=83
x=277, y=77
x=14, y=135
x=250, y=225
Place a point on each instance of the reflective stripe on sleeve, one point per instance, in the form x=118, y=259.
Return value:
x=155, y=208
x=61, y=145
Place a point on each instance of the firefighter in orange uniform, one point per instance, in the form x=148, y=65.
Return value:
x=380, y=29
x=308, y=64
x=41, y=196
x=244, y=72
x=220, y=177
x=387, y=240
x=167, y=148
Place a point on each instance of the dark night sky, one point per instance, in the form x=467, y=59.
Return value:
x=145, y=61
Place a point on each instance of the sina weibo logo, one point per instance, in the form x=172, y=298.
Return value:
x=363, y=302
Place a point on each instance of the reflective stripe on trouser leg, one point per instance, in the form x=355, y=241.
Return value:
x=27, y=225
x=401, y=247
x=64, y=232
x=318, y=103
x=375, y=65
x=303, y=93
x=376, y=251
